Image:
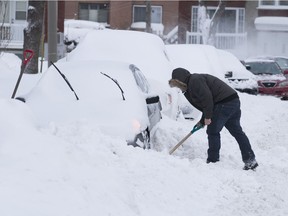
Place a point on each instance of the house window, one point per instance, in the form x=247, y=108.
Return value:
x=94, y=12
x=266, y=2
x=139, y=13
x=21, y=10
x=232, y=21
x=273, y=3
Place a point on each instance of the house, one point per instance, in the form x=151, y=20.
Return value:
x=246, y=27
x=241, y=30
x=126, y=14
x=13, y=16
x=258, y=27
x=271, y=26
x=12, y=23
x=231, y=31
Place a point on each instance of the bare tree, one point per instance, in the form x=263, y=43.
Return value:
x=33, y=32
x=5, y=32
x=207, y=25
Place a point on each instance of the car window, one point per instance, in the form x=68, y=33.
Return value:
x=283, y=63
x=140, y=79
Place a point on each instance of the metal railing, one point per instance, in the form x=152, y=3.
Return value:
x=5, y=32
x=12, y=34
x=172, y=36
x=226, y=41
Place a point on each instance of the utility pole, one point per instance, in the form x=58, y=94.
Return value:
x=52, y=31
x=148, y=16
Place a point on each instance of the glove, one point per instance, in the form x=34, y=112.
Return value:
x=198, y=126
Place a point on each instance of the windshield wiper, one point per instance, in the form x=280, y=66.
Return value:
x=115, y=81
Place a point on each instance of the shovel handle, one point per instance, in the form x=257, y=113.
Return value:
x=195, y=128
x=28, y=54
x=180, y=143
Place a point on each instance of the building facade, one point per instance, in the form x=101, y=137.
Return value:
x=245, y=29
x=126, y=14
x=271, y=26
x=13, y=16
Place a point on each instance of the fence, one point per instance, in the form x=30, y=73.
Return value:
x=12, y=34
x=224, y=41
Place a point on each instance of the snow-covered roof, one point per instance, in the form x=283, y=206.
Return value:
x=268, y=23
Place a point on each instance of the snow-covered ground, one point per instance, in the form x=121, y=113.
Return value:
x=76, y=170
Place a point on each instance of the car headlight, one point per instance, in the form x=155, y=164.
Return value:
x=136, y=126
x=283, y=84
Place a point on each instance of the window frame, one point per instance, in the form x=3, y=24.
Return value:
x=97, y=7
x=239, y=19
x=276, y=4
x=24, y=11
x=153, y=7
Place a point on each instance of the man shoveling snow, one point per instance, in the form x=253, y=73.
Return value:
x=220, y=106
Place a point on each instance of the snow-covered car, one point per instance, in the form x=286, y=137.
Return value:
x=75, y=31
x=271, y=79
x=145, y=50
x=115, y=96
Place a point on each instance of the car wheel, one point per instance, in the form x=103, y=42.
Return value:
x=142, y=140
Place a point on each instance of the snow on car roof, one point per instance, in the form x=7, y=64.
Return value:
x=145, y=50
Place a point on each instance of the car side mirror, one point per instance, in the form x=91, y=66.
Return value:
x=248, y=67
x=228, y=74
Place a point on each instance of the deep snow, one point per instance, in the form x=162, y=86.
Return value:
x=74, y=169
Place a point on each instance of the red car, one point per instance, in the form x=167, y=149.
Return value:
x=271, y=79
x=273, y=87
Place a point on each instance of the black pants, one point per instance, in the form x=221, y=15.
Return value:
x=228, y=114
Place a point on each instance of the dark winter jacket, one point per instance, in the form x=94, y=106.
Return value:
x=204, y=90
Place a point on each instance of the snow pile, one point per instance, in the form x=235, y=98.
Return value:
x=74, y=169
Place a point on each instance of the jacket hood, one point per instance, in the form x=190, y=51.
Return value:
x=181, y=74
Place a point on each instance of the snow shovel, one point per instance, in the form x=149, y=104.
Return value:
x=28, y=54
x=195, y=128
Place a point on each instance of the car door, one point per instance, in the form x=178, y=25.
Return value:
x=153, y=102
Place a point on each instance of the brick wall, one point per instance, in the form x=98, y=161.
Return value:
x=282, y=13
x=121, y=12
x=71, y=9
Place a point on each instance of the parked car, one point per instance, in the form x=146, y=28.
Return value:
x=115, y=96
x=271, y=78
x=285, y=96
x=145, y=50
x=282, y=61
x=75, y=31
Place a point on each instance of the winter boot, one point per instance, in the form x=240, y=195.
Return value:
x=250, y=164
x=211, y=161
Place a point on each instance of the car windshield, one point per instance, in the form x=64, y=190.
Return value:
x=258, y=68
